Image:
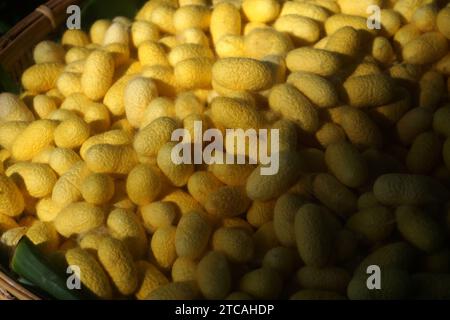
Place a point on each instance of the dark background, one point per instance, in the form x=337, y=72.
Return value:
x=12, y=11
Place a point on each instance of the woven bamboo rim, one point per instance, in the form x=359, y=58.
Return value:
x=17, y=44
x=15, y=56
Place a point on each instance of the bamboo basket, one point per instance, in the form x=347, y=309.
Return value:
x=16, y=48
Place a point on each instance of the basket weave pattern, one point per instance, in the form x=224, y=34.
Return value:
x=15, y=56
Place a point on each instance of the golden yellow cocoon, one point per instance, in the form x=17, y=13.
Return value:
x=151, y=138
x=142, y=31
x=48, y=51
x=152, y=53
x=42, y=77
x=47, y=209
x=192, y=235
x=71, y=133
x=242, y=74
x=13, y=109
x=321, y=62
x=194, y=73
x=163, y=246
x=235, y=243
x=191, y=16
x=107, y=158
x=150, y=278
x=187, y=51
x=126, y=226
x=43, y=105
x=74, y=37
x=214, y=275
x=91, y=273
x=118, y=263
x=137, y=95
x=225, y=20
x=294, y=106
x=261, y=10
x=67, y=188
x=38, y=178
x=178, y=174
x=97, y=75
x=97, y=188
x=262, y=283
x=158, y=214
x=11, y=200
x=79, y=217
x=302, y=30
x=143, y=184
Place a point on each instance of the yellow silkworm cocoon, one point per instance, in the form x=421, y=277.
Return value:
x=116, y=137
x=118, y=263
x=126, y=226
x=142, y=31
x=78, y=217
x=192, y=235
x=261, y=10
x=107, y=158
x=150, y=139
x=263, y=42
x=164, y=78
x=91, y=273
x=321, y=62
x=44, y=234
x=47, y=209
x=43, y=105
x=42, y=77
x=150, y=278
x=158, y=108
x=117, y=32
x=201, y=184
x=230, y=46
x=67, y=188
x=98, y=74
x=11, y=200
x=262, y=283
x=214, y=275
x=74, y=38
x=187, y=51
x=294, y=106
x=162, y=16
x=158, y=214
x=194, y=73
x=34, y=139
x=48, y=51
x=225, y=20
x=302, y=30
x=191, y=16
x=178, y=174
x=97, y=188
x=184, y=269
x=310, y=10
x=137, y=95
x=38, y=178
x=143, y=184
x=13, y=109
x=163, y=246
x=151, y=53
x=193, y=35
x=71, y=133
x=235, y=243
x=98, y=30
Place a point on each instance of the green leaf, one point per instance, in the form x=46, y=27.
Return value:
x=31, y=264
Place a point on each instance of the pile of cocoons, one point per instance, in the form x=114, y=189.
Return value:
x=363, y=117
